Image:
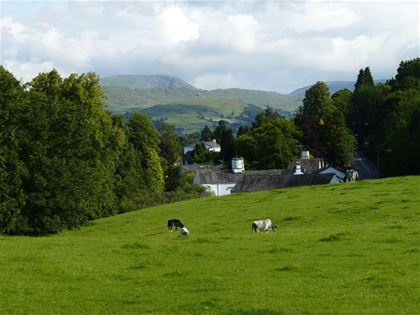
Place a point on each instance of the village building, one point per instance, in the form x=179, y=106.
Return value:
x=211, y=146
x=223, y=182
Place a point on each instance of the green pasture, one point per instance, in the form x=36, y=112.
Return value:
x=351, y=248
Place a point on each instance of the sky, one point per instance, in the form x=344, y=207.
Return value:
x=265, y=45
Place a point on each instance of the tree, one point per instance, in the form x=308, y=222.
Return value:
x=242, y=130
x=227, y=146
x=220, y=130
x=170, y=144
x=364, y=79
x=265, y=116
x=342, y=100
x=271, y=145
x=145, y=139
x=206, y=134
x=70, y=150
x=12, y=168
x=311, y=117
x=200, y=154
x=408, y=75
x=323, y=125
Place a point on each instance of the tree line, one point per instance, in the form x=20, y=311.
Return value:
x=380, y=119
x=65, y=160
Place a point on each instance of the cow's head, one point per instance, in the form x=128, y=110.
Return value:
x=274, y=227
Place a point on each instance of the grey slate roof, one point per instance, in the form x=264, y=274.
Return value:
x=220, y=177
x=308, y=165
x=251, y=183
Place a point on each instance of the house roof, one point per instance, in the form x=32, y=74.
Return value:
x=212, y=144
x=331, y=170
x=308, y=165
x=254, y=183
x=220, y=176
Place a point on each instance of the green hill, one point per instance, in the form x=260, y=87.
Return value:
x=340, y=249
x=137, y=93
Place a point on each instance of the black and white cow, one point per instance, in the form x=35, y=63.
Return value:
x=263, y=225
x=352, y=175
x=174, y=223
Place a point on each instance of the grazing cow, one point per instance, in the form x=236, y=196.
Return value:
x=184, y=231
x=351, y=175
x=174, y=223
x=263, y=225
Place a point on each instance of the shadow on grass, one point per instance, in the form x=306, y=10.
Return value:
x=254, y=312
x=135, y=246
x=291, y=218
x=276, y=250
x=332, y=238
x=286, y=268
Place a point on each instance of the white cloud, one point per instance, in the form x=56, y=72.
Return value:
x=177, y=26
x=270, y=45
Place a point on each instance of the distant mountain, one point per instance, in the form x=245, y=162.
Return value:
x=145, y=82
x=333, y=85
x=189, y=109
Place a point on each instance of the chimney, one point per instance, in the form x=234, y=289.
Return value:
x=298, y=169
x=304, y=155
x=238, y=165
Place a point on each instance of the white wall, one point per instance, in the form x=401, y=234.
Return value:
x=220, y=189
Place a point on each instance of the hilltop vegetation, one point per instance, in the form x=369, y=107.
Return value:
x=334, y=86
x=340, y=249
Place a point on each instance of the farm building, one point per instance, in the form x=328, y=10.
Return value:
x=221, y=182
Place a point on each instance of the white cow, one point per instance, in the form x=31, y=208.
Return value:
x=263, y=225
x=184, y=231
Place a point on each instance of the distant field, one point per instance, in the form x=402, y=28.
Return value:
x=341, y=249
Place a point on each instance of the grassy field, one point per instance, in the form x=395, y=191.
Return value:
x=341, y=249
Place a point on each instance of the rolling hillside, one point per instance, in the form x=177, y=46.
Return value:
x=137, y=93
x=340, y=249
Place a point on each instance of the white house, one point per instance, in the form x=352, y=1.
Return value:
x=217, y=182
x=212, y=146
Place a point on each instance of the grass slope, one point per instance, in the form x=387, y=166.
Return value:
x=340, y=249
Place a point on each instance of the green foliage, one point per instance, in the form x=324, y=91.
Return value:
x=12, y=168
x=206, y=134
x=364, y=79
x=264, y=117
x=200, y=154
x=130, y=264
x=322, y=122
x=408, y=75
x=269, y=146
x=342, y=100
x=384, y=119
x=72, y=146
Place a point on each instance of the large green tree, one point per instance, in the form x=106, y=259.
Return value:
x=322, y=121
x=145, y=139
x=70, y=151
x=12, y=168
x=271, y=145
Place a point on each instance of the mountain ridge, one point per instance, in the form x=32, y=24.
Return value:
x=146, y=81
